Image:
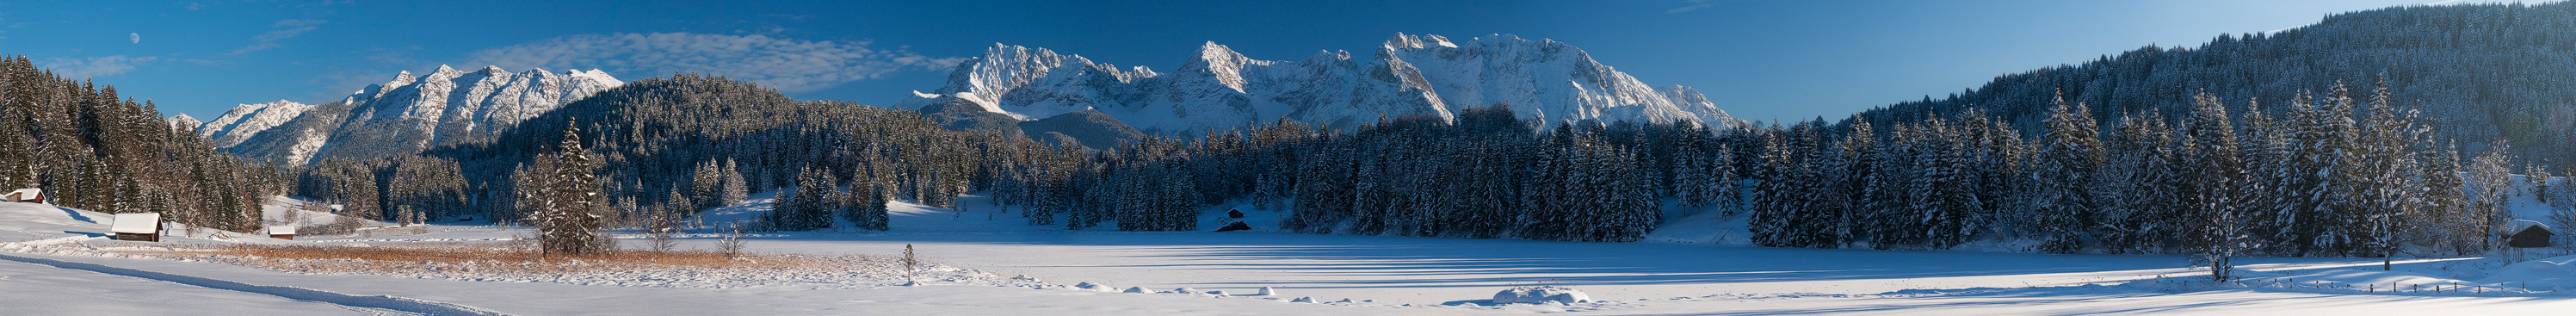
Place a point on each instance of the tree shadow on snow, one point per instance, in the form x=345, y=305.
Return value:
x=76, y=215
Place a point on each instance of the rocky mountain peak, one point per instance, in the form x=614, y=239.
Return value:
x=1219, y=88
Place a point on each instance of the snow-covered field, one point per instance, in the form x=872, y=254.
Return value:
x=53, y=262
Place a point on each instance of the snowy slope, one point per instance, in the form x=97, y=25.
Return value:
x=32, y=224
x=407, y=114
x=281, y=210
x=31, y=221
x=1407, y=75
x=246, y=120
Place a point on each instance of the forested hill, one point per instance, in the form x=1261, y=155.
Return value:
x=705, y=140
x=90, y=148
x=2483, y=71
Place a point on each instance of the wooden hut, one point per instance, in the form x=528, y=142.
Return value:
x=137, y=227
x=2529, y=234
x=27, y=195
x=282, y=232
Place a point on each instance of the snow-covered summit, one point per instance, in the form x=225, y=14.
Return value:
x=184, y=121
x=409, y=113
x=1219, y=88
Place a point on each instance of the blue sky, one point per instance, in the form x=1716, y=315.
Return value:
x=1760, y=60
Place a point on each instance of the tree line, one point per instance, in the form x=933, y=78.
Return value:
x=2335, y=175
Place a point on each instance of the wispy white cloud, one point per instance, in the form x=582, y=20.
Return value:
x=95, y=66
x=1695, y=5
x=786, y=64
x=283, y=29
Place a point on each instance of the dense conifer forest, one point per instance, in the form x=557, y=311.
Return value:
x=89, y=148
x=2483, y=71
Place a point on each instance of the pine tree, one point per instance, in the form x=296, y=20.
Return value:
x=707, y=184
x=733, y=188
x=566, y=200
x=2309, y=188
x=2215, y=199
x=1856, y=172
x=864, y=207
x=1944, y=197
x=1776, y=197
x=810, y=206
x=1324, y=191
x=2384, y=191
x=2447, y=212
x=1821, y=224
x=2068, y=160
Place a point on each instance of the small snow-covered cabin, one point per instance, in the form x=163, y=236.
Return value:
x=2528, y=234
x=282, y=232
x=27, y=195
x=137, y=227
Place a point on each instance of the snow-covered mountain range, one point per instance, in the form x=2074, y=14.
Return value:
x=1218, y=89
x=406, y=115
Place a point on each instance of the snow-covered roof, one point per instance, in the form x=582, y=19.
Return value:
x=27, y=192
x=137, y=223
x=2521, y=224
x=281, y=230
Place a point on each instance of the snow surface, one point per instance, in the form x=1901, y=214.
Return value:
x=35, y=289
x=276, y=211
x=996, y=264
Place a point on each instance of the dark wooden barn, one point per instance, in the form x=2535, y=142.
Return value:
x=2531, y=236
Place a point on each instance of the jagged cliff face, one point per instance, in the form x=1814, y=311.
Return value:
x=406, y=115
x=1408, y=75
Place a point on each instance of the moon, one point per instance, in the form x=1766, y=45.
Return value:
x=136, y=37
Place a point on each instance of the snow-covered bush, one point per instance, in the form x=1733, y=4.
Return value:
x=1095, y=287
x=1541, y=295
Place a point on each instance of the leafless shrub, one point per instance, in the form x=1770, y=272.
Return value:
x=731, y=245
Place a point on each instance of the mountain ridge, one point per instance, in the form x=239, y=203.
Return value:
x=1219, y=88
x=407, y=114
